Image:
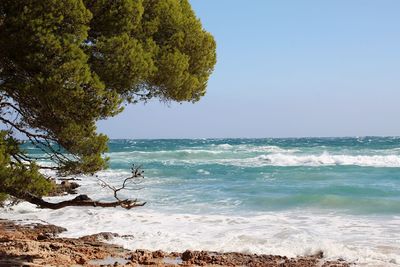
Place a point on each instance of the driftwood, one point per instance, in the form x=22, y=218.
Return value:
x=69, y=179
x=134, y=179
x=85, y=201
x=82, y=201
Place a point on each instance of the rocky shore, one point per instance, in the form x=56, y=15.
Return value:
x=37, y=244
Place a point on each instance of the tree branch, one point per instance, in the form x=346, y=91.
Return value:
x=81, y=201
x=25, y=132
x=85, y=201
x=137, y=174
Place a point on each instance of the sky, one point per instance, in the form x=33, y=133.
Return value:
x=287, y=68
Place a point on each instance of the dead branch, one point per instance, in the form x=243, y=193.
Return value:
x=135, y=179
x=69, y=179
x=81, y=201
x=85, y=201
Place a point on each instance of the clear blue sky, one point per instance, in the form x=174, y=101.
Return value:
x=287, y=68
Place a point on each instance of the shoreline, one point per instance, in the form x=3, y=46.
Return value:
x=35, y=244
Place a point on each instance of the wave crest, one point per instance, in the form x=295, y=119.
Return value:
x=326, y=159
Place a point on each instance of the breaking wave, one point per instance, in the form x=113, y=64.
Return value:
x=326, y=159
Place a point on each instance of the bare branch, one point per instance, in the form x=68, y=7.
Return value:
x=137, y=174
x=82, y=201
x=85, y=201
x=70, y=179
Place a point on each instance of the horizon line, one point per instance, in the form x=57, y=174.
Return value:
x=222, y=138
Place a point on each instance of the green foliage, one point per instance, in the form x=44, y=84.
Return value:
x=150, y=48
x=66, y=64
x=46, y=73
x=16, y=178
x=3, y=197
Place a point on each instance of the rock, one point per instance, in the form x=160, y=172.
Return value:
x=158, y=254
x=81, y=261
x=37, y=245
x=82, y=198
x=100, y=237
x=65, y=187
x=69, y=185
x=142, y=256
x=42, y=237
x=187, y=255
x=319, y=254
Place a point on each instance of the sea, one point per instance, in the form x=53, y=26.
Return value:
x=283, y=196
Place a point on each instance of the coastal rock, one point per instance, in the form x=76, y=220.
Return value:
x=38, y=245
x=205, y=258
x=103, y=236
x=158, y=254
x=64, y=188
x=35, y=244
x=142, y=256
x=187, y=255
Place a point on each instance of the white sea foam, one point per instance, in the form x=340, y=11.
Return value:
x=260, y=156
x=251, y=148
x=328, y=159
x=369, y=241
x=224, y=146
x=279, y=159
x=201, y=171
x=266, y=149
x=365, y=240
x=158, y=153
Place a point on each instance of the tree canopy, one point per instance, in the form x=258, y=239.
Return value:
x=65, y=64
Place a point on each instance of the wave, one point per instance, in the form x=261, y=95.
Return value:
x=266, y=149
x=169, y=153
x=224, y=146
x=289, y=160
x=214, y=150
x=327, y=159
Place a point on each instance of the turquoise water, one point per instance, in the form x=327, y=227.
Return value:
x=352, y=175
x=269, y=196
